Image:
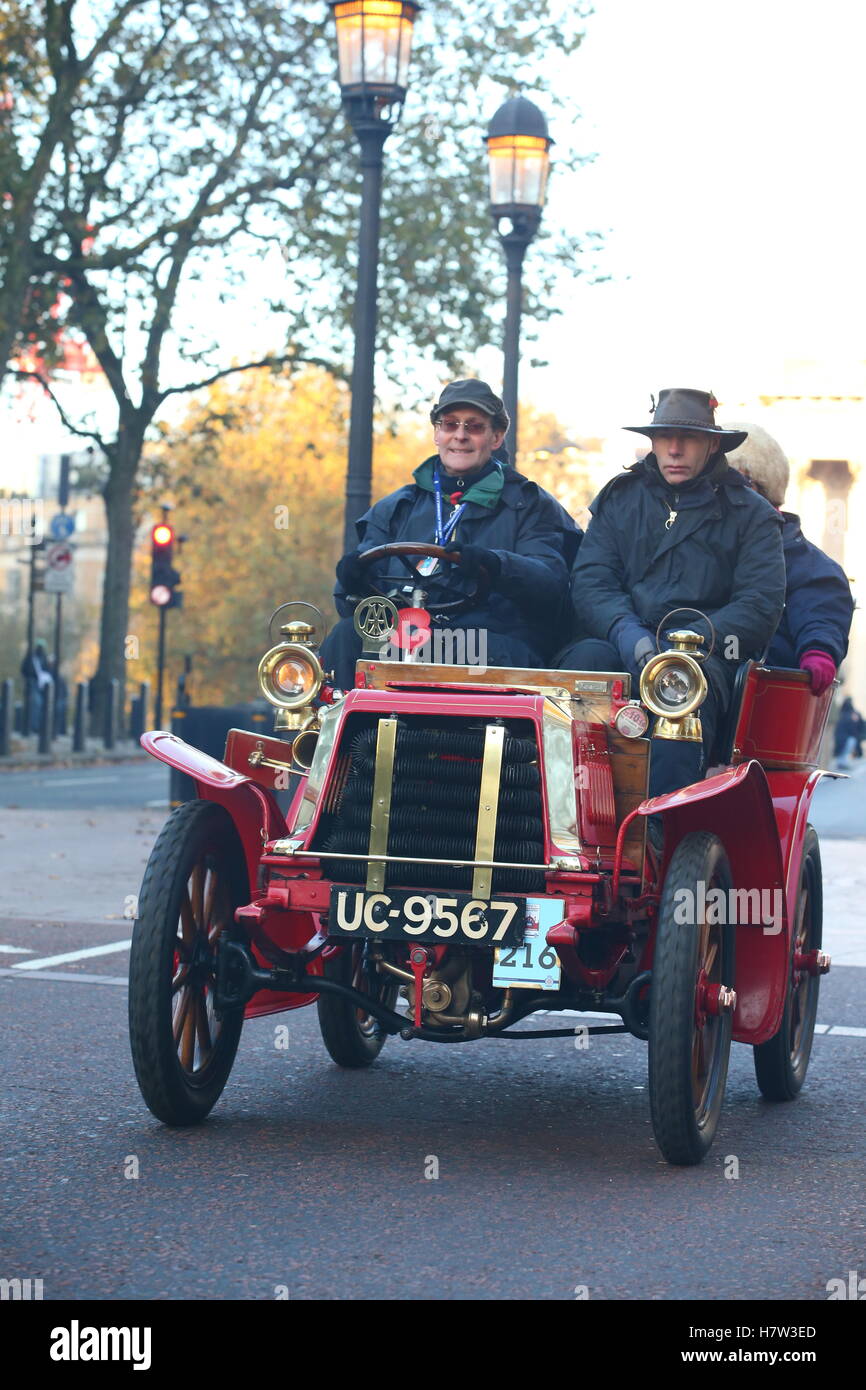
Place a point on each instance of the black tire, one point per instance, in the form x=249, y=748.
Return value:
x=353, y=1038
x=688, y=1061
x=782, y=1062
x=195, y=879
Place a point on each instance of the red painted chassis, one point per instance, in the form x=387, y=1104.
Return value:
x=756, y=805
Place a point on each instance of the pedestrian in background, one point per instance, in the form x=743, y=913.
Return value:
x=849, y=735
x=36, y=670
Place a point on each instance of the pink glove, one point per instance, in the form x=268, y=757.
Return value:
x=821, y=668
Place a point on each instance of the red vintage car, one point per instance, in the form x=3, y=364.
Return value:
x=468, y=846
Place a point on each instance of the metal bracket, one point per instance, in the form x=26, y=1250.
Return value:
x=485, y=837
x=383, y=781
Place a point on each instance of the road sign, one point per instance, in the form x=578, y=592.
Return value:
x=62, y=526
x=59, y=568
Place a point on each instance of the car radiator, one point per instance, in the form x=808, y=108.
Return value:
x=435, y=796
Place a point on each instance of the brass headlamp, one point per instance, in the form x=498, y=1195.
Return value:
x=290, y=676
x=673, y=686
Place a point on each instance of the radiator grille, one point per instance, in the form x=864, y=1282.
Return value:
x=434, y=808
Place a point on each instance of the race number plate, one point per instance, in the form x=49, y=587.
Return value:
x=427, y=917
x=534, y=964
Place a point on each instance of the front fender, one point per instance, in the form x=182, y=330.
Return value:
x=737, y=806
x=253, y=809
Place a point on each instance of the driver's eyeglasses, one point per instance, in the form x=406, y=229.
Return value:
x=449, y=426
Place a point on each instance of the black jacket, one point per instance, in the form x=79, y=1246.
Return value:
x=819, y=605
x=533, y=536
x=722, y=554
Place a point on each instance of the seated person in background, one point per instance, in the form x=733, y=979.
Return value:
x=467, y=498
x=680, y=528
x=819, y=606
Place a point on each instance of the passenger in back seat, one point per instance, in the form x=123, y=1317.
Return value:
x=819, y=605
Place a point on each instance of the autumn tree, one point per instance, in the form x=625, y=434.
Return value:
x=152, y=152
x=256, y=470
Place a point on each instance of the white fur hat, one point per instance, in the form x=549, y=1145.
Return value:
x=761, y=460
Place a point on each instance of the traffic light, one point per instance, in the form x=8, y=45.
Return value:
x=164, y=578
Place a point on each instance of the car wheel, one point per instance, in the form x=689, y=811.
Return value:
x=691, y=1013
x=782, y=1062
x=195, y=879
x=354, y=1038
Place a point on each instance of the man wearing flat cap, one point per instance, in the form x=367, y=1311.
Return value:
x=500, y=527
x=679, y=529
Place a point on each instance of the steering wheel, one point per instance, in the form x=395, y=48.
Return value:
x=403, y=550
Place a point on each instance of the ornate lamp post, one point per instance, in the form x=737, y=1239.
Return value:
x=374, y=43
x=518, y=146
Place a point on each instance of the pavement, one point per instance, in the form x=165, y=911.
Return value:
x=71, y=867
x=25, y=755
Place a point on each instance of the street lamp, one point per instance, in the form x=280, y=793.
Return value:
x=518, y=146
x=374, y=43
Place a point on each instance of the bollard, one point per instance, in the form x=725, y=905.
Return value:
x=144, y=708
x=79, y=731
x=181, y=786
x=112, y=711
x=46, y=724
x=7, y=716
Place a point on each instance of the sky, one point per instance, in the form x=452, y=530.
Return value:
x=727, y=180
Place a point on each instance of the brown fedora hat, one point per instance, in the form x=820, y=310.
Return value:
x=681, y=409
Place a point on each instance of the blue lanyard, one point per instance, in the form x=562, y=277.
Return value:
x=446, y=531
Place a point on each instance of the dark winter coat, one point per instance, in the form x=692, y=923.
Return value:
x=533, y=536
x=721, y=554
x=819, y=605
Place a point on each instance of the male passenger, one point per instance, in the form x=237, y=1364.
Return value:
x=503, y=529
x=679, y=529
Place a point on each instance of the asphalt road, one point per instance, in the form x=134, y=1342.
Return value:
x=142, y=782
x=312, y=1183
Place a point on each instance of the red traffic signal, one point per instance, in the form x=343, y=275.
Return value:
x=163, y=577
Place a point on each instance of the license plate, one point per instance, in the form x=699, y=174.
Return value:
x=533, y=964
x=429, y=917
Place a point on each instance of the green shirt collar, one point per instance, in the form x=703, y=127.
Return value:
x=485, y=491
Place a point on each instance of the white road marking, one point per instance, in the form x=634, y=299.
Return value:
x=78, y=979
x=837, y=1030
x=573, y=1013
x=160, y=805
x=45, y=961
x=17, y=950
x=76, y=781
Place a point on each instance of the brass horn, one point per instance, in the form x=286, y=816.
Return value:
x=304, y=746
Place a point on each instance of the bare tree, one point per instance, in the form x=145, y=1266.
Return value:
x=149, y=151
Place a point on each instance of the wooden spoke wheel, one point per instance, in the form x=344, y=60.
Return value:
x=782, y=1062
x=182, y=1049
x=690, y=1022
x=353, y=1037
